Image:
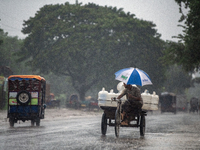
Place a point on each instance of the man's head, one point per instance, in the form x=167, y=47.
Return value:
x=127, y=86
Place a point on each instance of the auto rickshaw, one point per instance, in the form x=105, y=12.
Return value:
x=168, y=102
x=26, y=98
x=194, y=105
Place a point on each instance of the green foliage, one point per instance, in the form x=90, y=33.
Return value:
x=1, y=40
x=59, y=84
x=8, y=49
x=187, y=50
x=90, y=43
x=193, y=91
x=3, y=51
x=177, y=80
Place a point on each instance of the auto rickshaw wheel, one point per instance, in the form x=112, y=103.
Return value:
x=175, y=112
x=12, y=122
x=103, y=124
x=37, y=122
x=32, y=122
x=23, y=97
x=142, y=125
x=117, y=122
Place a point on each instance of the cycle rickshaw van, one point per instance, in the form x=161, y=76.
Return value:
x=112, y=109
x=26, y=98
x=112, y=115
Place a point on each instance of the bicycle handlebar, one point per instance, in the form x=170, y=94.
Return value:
x=115, y=99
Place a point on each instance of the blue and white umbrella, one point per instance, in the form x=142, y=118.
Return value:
x=133, y=76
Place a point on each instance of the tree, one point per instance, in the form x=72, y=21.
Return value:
x=8, y=47
x=89, y=43
x=186, y=51
x=1, y=31
x=177, y=80
x=1, y=40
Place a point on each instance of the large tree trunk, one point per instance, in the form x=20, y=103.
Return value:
x=82, y=94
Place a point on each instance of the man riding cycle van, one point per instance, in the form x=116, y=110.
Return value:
x=134, y=100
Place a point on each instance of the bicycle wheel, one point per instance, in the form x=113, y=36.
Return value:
x=117, y=122
x=103, y=124
x=142, y=125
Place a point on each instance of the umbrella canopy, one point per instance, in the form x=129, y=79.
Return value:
x=133, y=76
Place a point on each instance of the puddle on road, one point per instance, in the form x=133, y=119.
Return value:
x=171, y=141
x=152, y=141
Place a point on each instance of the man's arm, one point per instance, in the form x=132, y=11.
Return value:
x=122, y=94
x=133, y=97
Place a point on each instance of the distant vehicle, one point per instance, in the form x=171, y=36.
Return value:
x=90, y=103
x=93, y=104
x=85, y=104
x=181, y=103
x=73, y=102
x=3, y=89
x=194, y=104
x=26, y=98
x=168, y=102
x=52, y=102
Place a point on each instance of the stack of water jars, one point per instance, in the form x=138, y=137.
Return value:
x=104, y=97
x=150, y=101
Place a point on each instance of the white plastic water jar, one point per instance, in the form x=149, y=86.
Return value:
x=111, y=95
x=102, y=95
x=155, y=98
x=146, y=97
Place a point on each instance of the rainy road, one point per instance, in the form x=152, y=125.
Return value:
x=163, y=132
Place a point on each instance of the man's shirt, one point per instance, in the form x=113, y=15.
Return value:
x=135, y=91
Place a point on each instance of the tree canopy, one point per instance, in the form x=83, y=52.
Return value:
x=177, y=80
x=186, y=51
x=1, y=40
x=8, y=47
x=90, y=43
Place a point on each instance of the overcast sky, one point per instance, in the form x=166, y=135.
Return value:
x=164, y=13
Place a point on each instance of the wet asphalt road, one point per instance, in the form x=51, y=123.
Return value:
x=163, y=132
